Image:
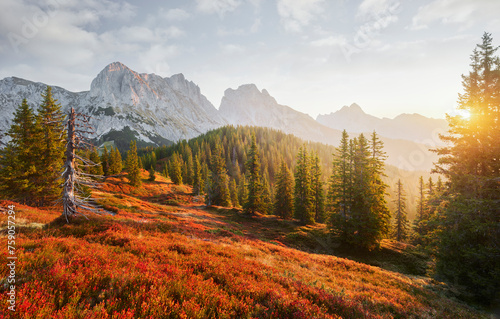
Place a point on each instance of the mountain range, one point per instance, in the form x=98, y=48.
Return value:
x=127, y=105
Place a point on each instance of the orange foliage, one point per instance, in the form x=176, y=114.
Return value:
x=152, y=260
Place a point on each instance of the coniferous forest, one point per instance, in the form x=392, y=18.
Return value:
x=261, y=191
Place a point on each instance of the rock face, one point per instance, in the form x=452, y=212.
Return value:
x=249, y=106
x=151, y=108
x=413, y=127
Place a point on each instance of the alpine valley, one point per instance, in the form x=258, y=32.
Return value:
x=127, y=105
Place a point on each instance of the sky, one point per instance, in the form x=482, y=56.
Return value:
x=388, y=56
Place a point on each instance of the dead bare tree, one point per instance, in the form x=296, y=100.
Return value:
x=74, y=202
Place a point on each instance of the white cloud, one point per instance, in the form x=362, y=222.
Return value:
x=174, y=14
x=296, y=14
x=219, y=7
x=462, y=12
x=329, y=41
x=232, y=49
x=374, y=9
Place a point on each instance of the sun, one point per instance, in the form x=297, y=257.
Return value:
x=465, y=114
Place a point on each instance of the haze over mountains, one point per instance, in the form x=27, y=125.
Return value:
x=413, y=127
x=125, y=105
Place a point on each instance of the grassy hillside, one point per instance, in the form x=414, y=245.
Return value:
x=163, y=254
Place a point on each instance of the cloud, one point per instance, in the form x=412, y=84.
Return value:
x=329, y=41
x=374, y=9
x=219, y=7
x=462, y=12
x=296, y=14
x=174, y=14
x=232, y=49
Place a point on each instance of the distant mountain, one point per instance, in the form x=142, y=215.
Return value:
x=249, y=106
x=126, y=105
x=413, y=127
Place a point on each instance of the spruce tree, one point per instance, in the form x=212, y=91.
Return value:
x=303, y=201
x=19, y=178
x=468, y=246
x=117, y=163
x=318, y=194
x=283, y=200
x=105, y=162
x=49, y=147
x=242, y=190
x=132, y=163
x=233, y=190
x=340, y=188
x=197, y=185
x=175, y=169
x=97, y=168
x=254, y=201
x=400, y=215
x=151, y=172
x=218, y=188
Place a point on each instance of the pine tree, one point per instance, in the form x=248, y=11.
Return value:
x=400, y=216
x=117, y=163
x=283, y=200
x=151, y=172
x=105, y=162
x=233, y=190
x=303, y=203
x=50, y=149
x=254, y=201
x=134, y=172
x=19, y=179
x=217, y=187
x=97, y=168
x=175, y=169
x=197, y=185
x=318, y=195
x=359, y=213
x=468, y=247
x=378, y=206
x=242, y=190
x=340, y=188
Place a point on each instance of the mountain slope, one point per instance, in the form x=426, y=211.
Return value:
x=148, y=107
x=412, y=127
x=153, y=260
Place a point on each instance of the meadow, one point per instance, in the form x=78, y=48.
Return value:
x=160, y=253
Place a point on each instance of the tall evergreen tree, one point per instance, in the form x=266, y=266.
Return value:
x=97, y=168
x=318, y=194
x=468, y=249
x=218, y=188
x=283, y=200
x=19, y=178
x=242, y=190
x=117, y=162
x=233, y=191
x=340, y=187
x=50, y=149
x=175, y=169
x=197, y=185
x=152, y=176
x=400, y=215
x=254, y=201
x=303, y=201
x=134, y=172
x=105, y=162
